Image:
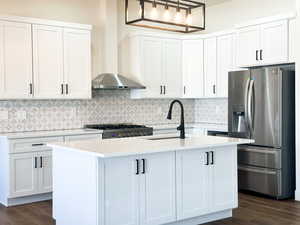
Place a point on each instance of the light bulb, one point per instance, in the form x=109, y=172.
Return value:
x=178, y=17
x=189, y=19
x=167, y=14
x=154, y=13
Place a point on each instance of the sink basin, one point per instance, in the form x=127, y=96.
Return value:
x=162, y=138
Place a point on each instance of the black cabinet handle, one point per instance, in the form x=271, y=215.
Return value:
x=207, y=158
x=161, y=89
x=34, y=145
x=41, y=162
x=35, y=162
x=67, y=89
x=214, y=89
x=137, y=167
x=144, y=166
x=165, y=90
x=62, y=89
x=184, y=90
x=257, y=55
x=30, y=88
x=212, y=158
x=261, y=54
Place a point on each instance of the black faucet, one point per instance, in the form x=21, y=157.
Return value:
x=169, y=117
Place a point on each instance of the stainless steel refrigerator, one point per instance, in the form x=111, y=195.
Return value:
x=262, y=107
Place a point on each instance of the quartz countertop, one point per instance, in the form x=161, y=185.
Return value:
x=144, y=145
x=52, y=133
x=207, y=126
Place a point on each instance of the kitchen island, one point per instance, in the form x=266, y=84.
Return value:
x=145, y=181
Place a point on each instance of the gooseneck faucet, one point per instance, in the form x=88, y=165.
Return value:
x=181, y=128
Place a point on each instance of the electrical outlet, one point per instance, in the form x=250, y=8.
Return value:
x=3, y=115
x=21, y=115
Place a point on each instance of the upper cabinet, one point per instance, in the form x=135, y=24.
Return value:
x=15, y=60
x=51, y=60
x=156, y=63
x=210, y=67
x=263, y=44
x=193, y=69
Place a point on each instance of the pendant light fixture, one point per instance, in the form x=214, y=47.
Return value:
x=184, y=16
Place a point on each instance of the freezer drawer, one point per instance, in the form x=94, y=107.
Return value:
x=264, y=181
x=260, y=157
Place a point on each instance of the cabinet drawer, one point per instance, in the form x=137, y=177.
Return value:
x=32, y=144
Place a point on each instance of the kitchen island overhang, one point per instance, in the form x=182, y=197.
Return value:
x=142, y=181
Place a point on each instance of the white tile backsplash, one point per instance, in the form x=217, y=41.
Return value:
x=105, y=107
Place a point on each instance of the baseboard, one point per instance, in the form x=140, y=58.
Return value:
x=28, y=199
x=205, y=219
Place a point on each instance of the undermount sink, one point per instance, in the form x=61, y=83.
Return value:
x=162, y=138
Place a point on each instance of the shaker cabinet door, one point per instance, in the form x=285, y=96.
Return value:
x=45, y=172
x=192, y=183
x=210, y=67
x=121, y=191
x=157, y=195
x=77, y=63
x=48, y=61
x=15, y=60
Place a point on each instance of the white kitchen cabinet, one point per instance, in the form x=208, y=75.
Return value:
x=148, y=190
x=172, y=68
x=193, y=69
x=192, y=192
x=45, y=172
x=210, y=67
x=158, y=197
x=23, y=175
x=15, y=60
x=263, y=44
x=48, y=61
x=274, y=42
x=292, y=40
x=77, y=63
x=157, y=64
x=223, y=175
x=215, y=187
x=225, y=63
x=121, y=191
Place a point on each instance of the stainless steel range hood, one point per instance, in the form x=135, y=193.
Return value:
x=110, y=81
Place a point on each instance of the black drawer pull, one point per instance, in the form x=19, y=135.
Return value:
x=35, y=162
x=35, y=145
x=212, y=158
x=144, y=166
x=207, y=158
x=41, y=162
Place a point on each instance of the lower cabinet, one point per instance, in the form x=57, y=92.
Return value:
x=30, y=173
x=141, y=189
x=206, y=181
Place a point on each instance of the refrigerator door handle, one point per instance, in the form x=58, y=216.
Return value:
x=246, y=103
x=250, y=110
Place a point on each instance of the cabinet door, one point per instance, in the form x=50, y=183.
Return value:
x=45, y=172
x=77, y=63
x=48, y=61
x=225, y=63
x=193, y=77
x=152, y=66
x=274, y=42
x=192, y=184
x=292, y=40
x=210, y=66
x=23, y=175
x=121, y=191
x=248, y=46
x=224, y=179
x=15, y=60
x=157, y=199
x=172, y=68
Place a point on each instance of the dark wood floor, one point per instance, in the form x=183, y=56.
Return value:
x=252, y=211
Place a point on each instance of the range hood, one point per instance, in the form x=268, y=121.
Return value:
x=110, y=81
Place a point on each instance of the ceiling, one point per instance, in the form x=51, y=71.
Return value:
x=215, y=2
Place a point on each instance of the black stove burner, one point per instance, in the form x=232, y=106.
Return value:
x=121, y=130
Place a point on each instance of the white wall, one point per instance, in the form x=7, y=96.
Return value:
x=223, y=16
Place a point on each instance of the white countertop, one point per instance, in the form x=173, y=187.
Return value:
x=142, y=145
x=208, y=126
x=52, y=133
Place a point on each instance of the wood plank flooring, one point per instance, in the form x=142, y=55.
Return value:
x=252, y=211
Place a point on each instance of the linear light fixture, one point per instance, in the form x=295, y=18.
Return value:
x=185, y=16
